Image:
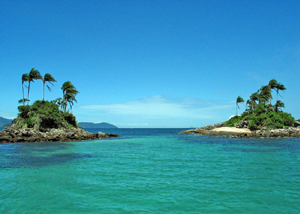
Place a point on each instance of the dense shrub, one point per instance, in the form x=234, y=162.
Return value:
x=44, y=114
x=272, y=119
x=233, y=120
x=252, y=125
x=288, y=119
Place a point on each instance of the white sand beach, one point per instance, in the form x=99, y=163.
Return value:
x=232, y=129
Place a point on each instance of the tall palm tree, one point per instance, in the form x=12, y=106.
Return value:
x=33, y=75
x=239, y=99
x=251, y=103
x=25, y=78
x=272, y=84
x=255, y=97
x=47, y=78
x=69, y=94
x=265, y=93
x=279, y=87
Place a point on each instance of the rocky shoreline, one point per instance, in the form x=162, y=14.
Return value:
x=13, y=135
x=241, y=132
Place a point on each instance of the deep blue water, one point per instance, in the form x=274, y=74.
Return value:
x=151, y=171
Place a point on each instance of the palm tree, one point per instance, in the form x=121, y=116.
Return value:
x=47, y=78
x=69, y=93
x=239, y=99
x=279, y=104
x=255, y=97
x=272, y=84
x=279, y=87
x=33, y=75
x=251, y=103
x=265, y=93
x=60, y=102
x=25, y=78
x=23, y=101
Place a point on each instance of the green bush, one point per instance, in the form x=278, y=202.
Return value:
x=44, y=114
x=24, y=110
x=288, y=119
x=261, y=108
x=233, y=120
x=252, y=125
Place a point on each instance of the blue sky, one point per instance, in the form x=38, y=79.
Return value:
x=151, y=63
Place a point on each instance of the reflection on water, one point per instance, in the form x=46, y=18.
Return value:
x=16, y=155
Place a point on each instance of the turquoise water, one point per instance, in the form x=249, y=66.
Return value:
x=151, y=171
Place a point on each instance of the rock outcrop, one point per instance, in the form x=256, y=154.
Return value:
x=240, y=131
x=12, y=135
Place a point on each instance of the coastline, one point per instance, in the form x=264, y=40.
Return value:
x=234, y=132
x=14, y=135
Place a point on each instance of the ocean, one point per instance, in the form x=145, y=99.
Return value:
x=151, y=171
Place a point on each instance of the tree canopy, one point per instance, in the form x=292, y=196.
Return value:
x=260, y=112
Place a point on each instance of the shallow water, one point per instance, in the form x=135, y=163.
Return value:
x=151, y=171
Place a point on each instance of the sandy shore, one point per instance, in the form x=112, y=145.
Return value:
x=232, y=130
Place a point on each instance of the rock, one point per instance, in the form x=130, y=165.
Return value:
x=242, y=124
x=296, y=124
x=237, y=131
x=205, y=128
x=12, y=134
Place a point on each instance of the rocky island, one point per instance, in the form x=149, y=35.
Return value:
x=260, y=119
x=239, y=131
x=45, y=121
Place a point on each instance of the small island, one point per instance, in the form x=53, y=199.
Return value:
x=45, y=121
x=260, y=119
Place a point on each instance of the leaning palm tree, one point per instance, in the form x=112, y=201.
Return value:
x=33, y=75
x=47, y=78
x=265, y=93
x=279, y=87
x=60, y=102
x=279, y=104
x=69, y=93
x=25, y=78
x=23, y=101
x=239, y=99
x=272, y=85
x=255, y=97
x=252, y=104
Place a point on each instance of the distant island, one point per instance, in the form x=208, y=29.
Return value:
x=97, y=125
x=260, y=119
x=5, y=122
x=46, y=121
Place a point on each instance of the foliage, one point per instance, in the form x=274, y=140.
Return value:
x=260, y=112
x=47, y=78
x=233, y=120
x=239, y=99
x=69, y=94
x=44, y=114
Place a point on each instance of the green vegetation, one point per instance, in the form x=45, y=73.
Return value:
x=44, y=114
x=238, y=100
x=260, y=112
x=33, y=75
x=47, y=78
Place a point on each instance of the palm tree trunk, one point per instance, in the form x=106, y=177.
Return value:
x=28, y=92
x=236, y=109
x=23, y=94
x=43, y=91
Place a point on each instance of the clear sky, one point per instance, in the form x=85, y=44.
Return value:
x=151, y=63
